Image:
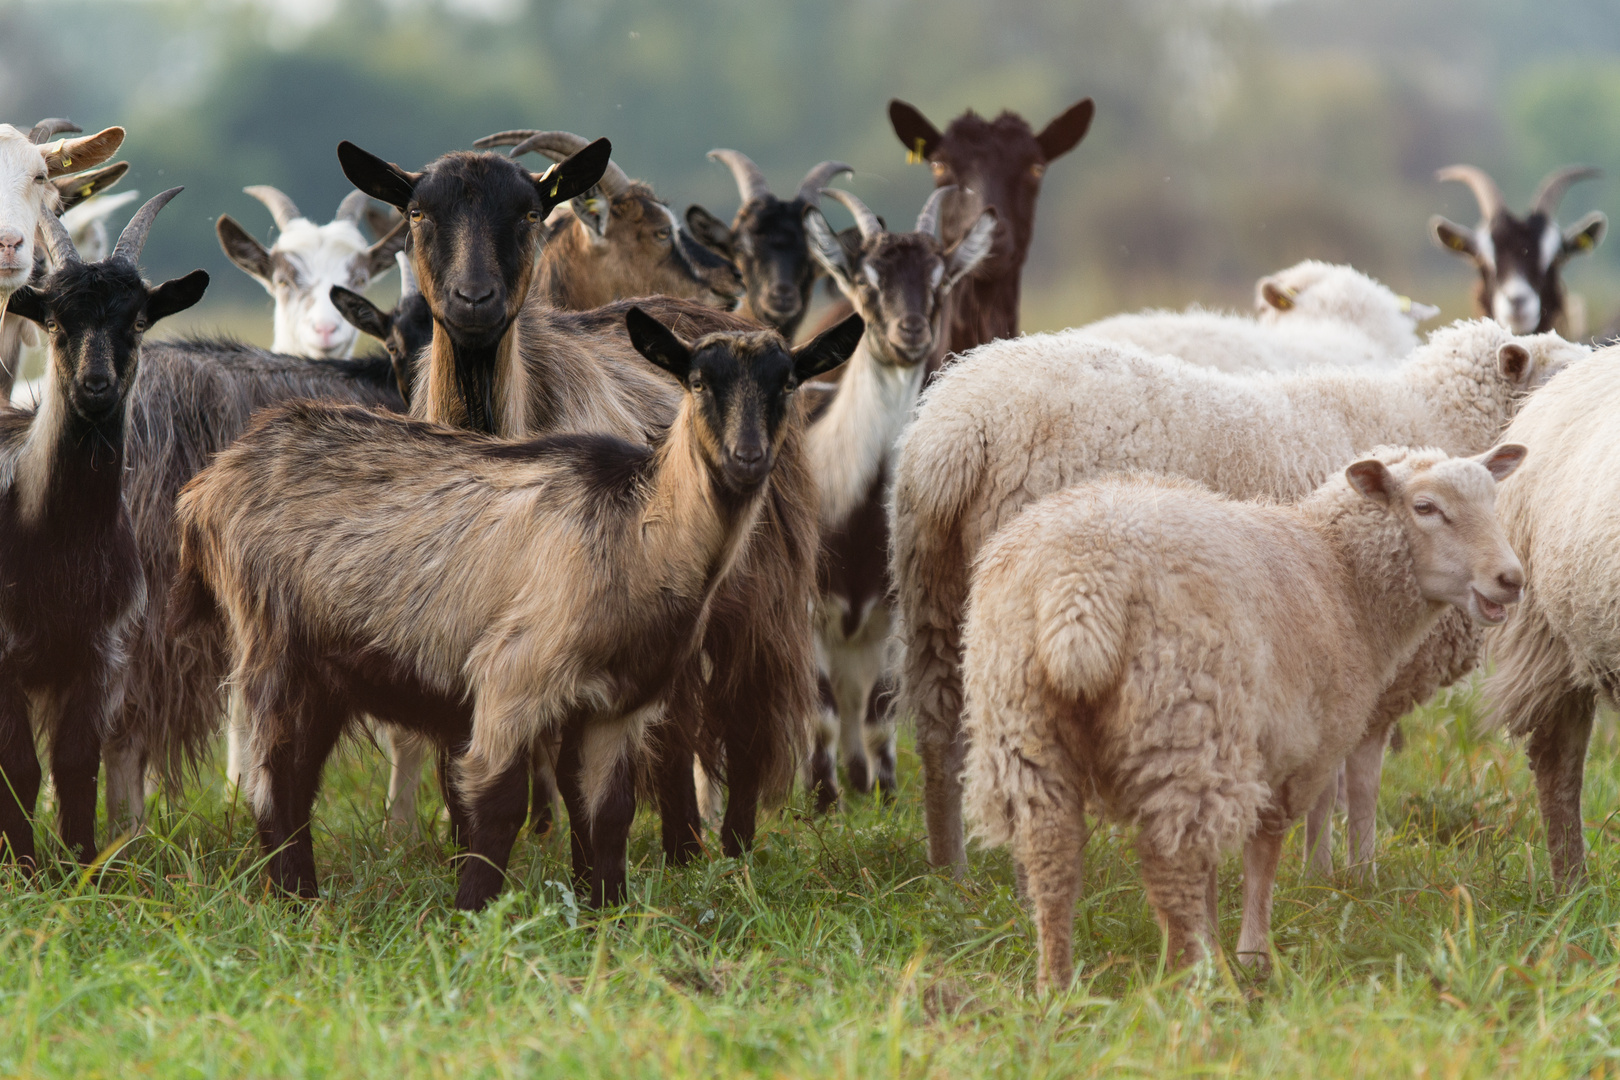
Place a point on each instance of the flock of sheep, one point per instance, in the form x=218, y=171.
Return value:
x=1184, y=570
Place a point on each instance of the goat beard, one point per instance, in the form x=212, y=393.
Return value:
x=476, y=381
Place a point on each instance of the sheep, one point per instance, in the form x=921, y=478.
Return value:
x=767, y=240
x=306, y=260
x=1199, y=666
x=901, y=284
x=504, y=361
x=487, y=594
x=1554, y=661
x=1312, y=313
x=1519, y=259
x=73, y=587
x=618, y=240
x=996, y=163
x=1017, y=420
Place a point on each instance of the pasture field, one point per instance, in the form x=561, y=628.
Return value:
x=832, y=951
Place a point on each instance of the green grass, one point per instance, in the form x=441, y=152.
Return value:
x=833, y=951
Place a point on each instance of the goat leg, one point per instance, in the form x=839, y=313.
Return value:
x=742, y=802
x=677, y=794
x=291, y=778
x=454, y=805
x=542, y=788
x=75, y=765
x=496, y=817
x=823, y=766
x=573, y=797
x=610, y=835
x=880, y=735
x=19, y=776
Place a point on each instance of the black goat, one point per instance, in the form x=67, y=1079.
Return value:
x=71, y=585
x=404, y=332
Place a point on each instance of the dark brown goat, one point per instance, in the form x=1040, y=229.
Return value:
x=996, y=163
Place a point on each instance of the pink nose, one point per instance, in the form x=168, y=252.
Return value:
x=10, y=241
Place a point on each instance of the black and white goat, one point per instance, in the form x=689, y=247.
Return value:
x=900, y=283
x=71, y=584
x=1519, y=259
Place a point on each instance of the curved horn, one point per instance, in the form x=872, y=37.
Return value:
x=133, y=238
x=750, y=181
x=407, y=276
x=281, y=208
x=928, y=220
x=353, y=207
x=1551, y=192
x=505, y=138
x=58, y=242
x=817, y=178
x=45, y=130
x=865, y=220
x=561, y=145
x=1486, y=193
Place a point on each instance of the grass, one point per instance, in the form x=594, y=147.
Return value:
x=832, y=951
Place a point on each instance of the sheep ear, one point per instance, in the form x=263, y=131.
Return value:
x=709, y=230
x=175, y=296
x=26, y=303
x=828, y=349
x=382, y=180
x=827, y=249
x=1372, y=478
x=1585, y=234
x=1065, y=133
x=243, y=250
x=658, y=343
x=1503, y=460
x=1453, y=237
x=917, y=135
x=1514, y=362
x=972, y=249
x=361, y=313
x=1277, y=296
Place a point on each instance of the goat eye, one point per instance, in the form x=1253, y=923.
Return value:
x=534, y=217
x=416, y=217
x=141, y=324
x=52, y=326
x=939, y=168
x=662, y=234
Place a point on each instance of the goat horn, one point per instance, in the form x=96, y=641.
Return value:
x=817, y=178
x=407, y=276
x=1486, y=193
x=560, y=146
x=928, y=220
x=133, y=238
x=58, y=241
x=865, y=220
x=353, y=207
x=750, y=181
x=281, y=208
x=1551, y=192
x=46, y=129
x=505, y=138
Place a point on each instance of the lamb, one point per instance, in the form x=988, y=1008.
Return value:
x=306, y=261
x=1555, y=659
x=1311, y=313
x=1020, y=419
x=73, y=590
x=488, y=594
x=1199, y=666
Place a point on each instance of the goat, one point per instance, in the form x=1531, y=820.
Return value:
x=73, y=586
x=504, y=361
x=1519, y=259
x=996, y=163
x=306, y=260
x=404, y=332
x=618, y=240
x=488, y=594
x=767, y=241
x=901, y=284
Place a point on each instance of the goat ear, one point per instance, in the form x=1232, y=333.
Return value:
x=243, y=250
x=175, y=296
x=1585, y=234
x=382, y=180
x=74, y=155
x=1065, y=133
x=1515, y=363
x=361, y=313
x=80, y=186
x=1453, y=237
x=380, y=256
x=593, y=213
x=709, y=230
x=658, y=343
x=827, y=250
x=26, y=303
x=917, y=135
x=1372, y=478
x=972, y=249
x=828, y=349
x=1277, y=296
x=1503, y=460
x=574, y=175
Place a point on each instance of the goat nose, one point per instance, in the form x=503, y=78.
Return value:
x=783, y=294
x=748, y=455
x=96, y=384
x=11, y=238
x=473, y=297
x=913, y=325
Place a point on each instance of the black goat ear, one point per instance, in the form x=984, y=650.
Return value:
x=175, y=296
x=76, y=188
x=27, y=303
x=658, y=343
x=382, y=180
x=917, y=135
x=709, y=230
x=574, y=175
x=1065, y=133
x=361, y=313
x=243, y=250
x=828, y=349
x=1452, y=237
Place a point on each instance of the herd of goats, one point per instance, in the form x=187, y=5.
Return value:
x=604, y=522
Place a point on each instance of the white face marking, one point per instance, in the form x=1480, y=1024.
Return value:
x=871, y=275
x=307, y=323
x=25, y=194
x=1552, y=241
x=936, y=276
x=1485, y=248
x=1516, y=306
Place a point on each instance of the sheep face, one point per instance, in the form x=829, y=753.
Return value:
x=27, y=192
x=1318, y=290
x=1459, y=551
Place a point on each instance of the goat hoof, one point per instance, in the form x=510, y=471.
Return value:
x=860, y=777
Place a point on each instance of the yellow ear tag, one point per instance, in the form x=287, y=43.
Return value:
x=1406, y=304
x=84, y=192
x=555, y=184
x=1584, y=242
x=914, y=156
x=67, y=162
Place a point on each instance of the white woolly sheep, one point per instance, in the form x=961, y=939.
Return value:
x=1311, y=313
x=1557, y=657
x=1016, y=420
x=1199, y=667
